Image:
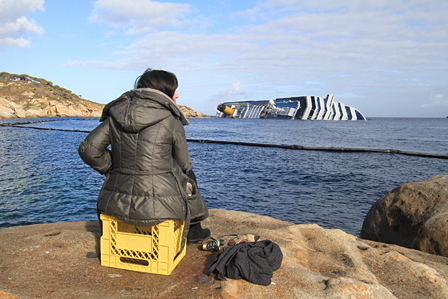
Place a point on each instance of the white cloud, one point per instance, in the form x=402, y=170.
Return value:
x=109, y=34
x=343, y=40
x=14, y=26
x=233, y=94
x=367, y=49
x=139, y=16
x=437, y=100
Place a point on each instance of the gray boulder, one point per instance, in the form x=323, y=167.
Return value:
x=413, y=215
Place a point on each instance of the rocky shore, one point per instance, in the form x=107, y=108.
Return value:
x=60, y=261
x=43, y=107
x=190, y=113
x=32, y=107
x=413, y=215
x=23, y=96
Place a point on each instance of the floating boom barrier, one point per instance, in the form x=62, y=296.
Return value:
x=326, y=149
x=290, y=147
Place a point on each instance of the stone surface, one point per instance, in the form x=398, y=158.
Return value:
x=413, y=215
x=190, y=113
x=51, y=108
x=43, y=107
x=55, y=261
x=24, y=96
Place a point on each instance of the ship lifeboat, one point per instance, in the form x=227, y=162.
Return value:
x=225, y=109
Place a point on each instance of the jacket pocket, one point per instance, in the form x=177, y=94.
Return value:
x=196, y=203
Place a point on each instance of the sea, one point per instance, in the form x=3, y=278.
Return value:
x=43, y=180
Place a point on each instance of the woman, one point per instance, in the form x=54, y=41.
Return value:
x=147, y=167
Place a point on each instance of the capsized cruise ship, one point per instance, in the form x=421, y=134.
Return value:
x=305, y=107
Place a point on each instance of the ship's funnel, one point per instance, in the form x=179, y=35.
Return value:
x=225, y=109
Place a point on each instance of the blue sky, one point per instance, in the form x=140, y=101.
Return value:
x=385, y=58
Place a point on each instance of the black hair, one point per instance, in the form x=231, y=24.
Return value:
x=163, y=81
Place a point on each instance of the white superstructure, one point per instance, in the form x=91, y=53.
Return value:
x=306, y=107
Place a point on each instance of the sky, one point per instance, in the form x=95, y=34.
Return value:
x=386, y=58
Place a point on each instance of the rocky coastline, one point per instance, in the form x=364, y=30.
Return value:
x=412, y=215
x=24, y=96
x=60, y=260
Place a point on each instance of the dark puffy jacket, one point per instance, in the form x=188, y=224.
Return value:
x=147, y=164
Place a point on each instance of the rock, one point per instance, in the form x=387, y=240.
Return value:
x=413, y=215
x=23, y=96
x=42, y=107
x=190, y=113
x=57, y=261
x=27, y=93
x=5, y=110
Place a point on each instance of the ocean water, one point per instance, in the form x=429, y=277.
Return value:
x=42, y=179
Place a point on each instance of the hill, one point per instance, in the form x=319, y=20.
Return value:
x=24, y=96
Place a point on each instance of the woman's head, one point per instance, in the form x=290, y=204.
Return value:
x=163, y=81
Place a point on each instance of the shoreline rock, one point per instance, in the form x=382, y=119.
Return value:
x=23, y=96
x=413, y=215
x=51, y=261
x=190, y=113
x=50, y=108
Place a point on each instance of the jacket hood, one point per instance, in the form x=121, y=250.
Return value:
x=139, y=108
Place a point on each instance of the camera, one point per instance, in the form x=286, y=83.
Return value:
x=212, y=244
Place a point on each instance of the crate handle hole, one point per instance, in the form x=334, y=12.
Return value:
x=134, y=261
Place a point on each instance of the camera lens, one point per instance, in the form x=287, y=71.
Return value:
x=213, y=245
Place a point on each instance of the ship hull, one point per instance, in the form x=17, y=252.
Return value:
x=305, y=108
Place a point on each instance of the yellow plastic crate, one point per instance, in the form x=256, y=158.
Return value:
x=150, y=249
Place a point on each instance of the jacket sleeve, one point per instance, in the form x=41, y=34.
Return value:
x=93, y=150
x=180, y=148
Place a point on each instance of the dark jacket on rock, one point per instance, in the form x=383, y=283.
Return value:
x=147, y=163
x=252, y=261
